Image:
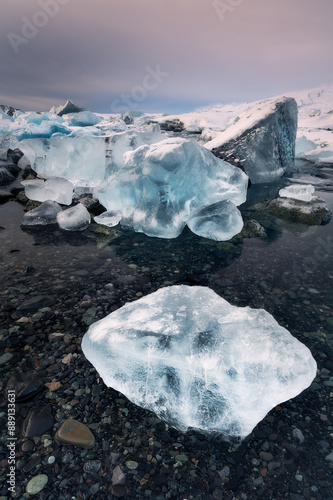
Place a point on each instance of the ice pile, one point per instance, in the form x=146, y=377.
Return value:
x=81, y=159
x=86, y=159
x=303, y=192
x=197, y=361
x=162, y=187
x=56, y=189
x=261, y=140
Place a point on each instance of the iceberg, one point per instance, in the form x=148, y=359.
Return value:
x=82, y=119
x=45, y=214
x=303, y=192
x=162, y=186
x=76, y=218
x=261, y=140
x=81, y=159
x=69, y=107
x=57, y=189
x=197, y=361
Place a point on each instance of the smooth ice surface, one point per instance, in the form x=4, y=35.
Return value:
x=57, y=189
x=76, y=218
x=262, y=140
x=220, y=221
x=302, y=192
x=45, y=214
x=197, y=361
x=162, y=186
x=79, y=159
x=109, y=219
x=82, y=119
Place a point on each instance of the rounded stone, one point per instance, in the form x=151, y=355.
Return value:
x=36, y=484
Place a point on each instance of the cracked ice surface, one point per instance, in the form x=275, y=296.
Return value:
x=197, y=361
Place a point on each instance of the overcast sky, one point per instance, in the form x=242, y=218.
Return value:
x=161, y=55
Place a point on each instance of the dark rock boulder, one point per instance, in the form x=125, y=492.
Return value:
x=261, y=141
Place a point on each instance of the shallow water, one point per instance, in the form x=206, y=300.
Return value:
x=290, y=274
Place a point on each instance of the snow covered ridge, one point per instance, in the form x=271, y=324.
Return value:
x=261, y=140
x=197, y=361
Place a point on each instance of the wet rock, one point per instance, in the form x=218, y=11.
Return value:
x=14, y=155
x=118, y=476
x=92, y=467
x=310, y=213
x=5, y=177
x=37, y=422
x=27, y=446
x=36, y=303
x=118, y=490
x=25, y=385
x=5, y=196
x=36, y=484
x=75, y=433
x=7, y=356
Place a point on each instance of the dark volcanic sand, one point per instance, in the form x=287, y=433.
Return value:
x=85, y=277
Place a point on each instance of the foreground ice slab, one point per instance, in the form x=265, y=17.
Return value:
x=302, y=192
x=261, y=140
x=163, y=186
x=197, y=361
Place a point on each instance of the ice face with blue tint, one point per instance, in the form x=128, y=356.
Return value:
x=163, y=186
x=79, y=159
x=197, y=361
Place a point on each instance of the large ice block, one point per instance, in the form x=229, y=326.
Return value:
x=197, y=361
x=162, y=186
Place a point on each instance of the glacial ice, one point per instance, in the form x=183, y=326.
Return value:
x=220, y=221
x=197, y=361
x=79, y=159
x=303, y=192
x=76, y=218
x=45, y=214
x=162, y=186
x=82, y=119
x=261, y=141
x=68, y=107
x=57, y=189
x=109, y=219
x=85, y=159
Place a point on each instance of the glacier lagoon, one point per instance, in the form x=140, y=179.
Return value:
x=87, y=275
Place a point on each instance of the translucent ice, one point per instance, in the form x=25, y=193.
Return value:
x=197, y=361
x=303, y=192
x=220, y=221
x=79, y=159
x=46, y=213
x=108, y=218
x=162, y=186
x=56, y=189
x=76, y=218
x=82, y=119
